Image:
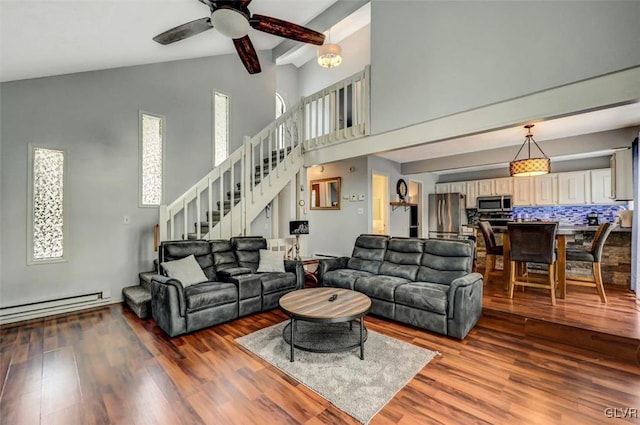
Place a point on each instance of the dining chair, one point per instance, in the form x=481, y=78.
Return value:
x=533, y=242
x=493, y=251
x=594, y=256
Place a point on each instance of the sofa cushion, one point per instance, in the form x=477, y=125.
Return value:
x=274, y=282
x=209, y=294
x=343, y=278
x=368, y=253
x=223, y=256
x=270, y=261
x=380, y=286
x=424, y=296
x=175, y=250
x=402, y=258
x=186, y=270
x=444, y=260
x=247, y=250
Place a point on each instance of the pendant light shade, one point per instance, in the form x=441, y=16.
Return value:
x=329, y=54
x=529, y=166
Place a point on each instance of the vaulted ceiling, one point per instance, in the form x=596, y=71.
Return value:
x=65, y=36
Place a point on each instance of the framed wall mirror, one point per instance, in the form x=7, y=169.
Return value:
x=325, y=194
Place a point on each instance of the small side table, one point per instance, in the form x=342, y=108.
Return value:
x=310, y=266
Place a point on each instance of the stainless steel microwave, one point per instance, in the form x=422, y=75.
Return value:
x=494, y=203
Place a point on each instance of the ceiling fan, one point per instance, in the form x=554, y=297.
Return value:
x=233, y=19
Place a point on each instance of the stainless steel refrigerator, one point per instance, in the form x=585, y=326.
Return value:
x=447, y=215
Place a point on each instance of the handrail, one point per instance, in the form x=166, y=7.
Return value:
x=262, y=166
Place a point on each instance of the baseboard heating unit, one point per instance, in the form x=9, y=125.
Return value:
x=44, y=308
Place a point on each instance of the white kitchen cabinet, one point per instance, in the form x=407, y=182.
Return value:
x=503, y=186
x=458, y=187
x=485, y=187
x=453, y=187
x=574, y=188
x=545, y=189
x=523, y=191
x=471, y=194
x=601, y=186
x=622, y=175
x=442, y=187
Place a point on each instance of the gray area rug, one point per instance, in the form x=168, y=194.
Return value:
x=360, y=388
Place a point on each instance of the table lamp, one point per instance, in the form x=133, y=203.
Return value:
x=298, y=227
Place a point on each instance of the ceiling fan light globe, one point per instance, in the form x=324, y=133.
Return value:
x=230, y=22
x=329, y=55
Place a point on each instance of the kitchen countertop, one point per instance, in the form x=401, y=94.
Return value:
x=570, y=228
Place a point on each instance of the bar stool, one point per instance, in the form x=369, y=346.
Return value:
x=533, y=243
x=493, y=251
x=594, y=256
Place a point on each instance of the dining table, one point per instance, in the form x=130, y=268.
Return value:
x=561, y=243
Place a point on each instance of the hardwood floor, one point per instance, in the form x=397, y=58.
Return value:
x=106, y=366
x=581, y=308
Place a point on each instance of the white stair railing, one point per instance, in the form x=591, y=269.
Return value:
x=265, y=163
x=337, y=113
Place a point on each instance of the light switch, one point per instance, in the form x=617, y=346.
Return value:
x=360, y=211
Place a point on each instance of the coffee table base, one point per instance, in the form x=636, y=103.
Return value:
x=319, y=337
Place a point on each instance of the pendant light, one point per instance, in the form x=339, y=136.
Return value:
x=329, y=54
x=529, y=166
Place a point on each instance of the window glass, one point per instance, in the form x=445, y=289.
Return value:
x=221, y=127
x=48, y=214
x=152, y=137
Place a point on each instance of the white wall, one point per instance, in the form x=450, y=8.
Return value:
x=334, y=232
x=433, y=58
x=94, y=117
x=287, y=84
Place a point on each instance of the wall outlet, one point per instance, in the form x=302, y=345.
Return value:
x=361, y=197
x=126, y=219
x=354, y=198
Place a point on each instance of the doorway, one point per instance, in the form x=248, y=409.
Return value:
x=380, y=204
x=415, y=217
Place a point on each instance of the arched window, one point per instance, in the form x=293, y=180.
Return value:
x=281, y=108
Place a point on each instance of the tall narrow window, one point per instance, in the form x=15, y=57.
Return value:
x=47, y=224
x=151, y=152
x=220, y=127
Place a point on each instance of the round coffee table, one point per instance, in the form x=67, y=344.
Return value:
x=321, y=311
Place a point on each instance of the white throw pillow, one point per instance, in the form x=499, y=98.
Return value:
x=270, y=261
x=186, y=270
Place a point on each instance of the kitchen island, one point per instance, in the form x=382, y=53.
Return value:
x=616, y=257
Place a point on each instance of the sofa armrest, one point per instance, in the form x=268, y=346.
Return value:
x=233, y=271
x=296, y=267
x=461, y=289
x=327, y=264
x=171, y=288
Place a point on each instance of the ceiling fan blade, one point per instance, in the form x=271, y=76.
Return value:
x=286, y=29
x=248, y=54
x=184, y=31
x=208, y=3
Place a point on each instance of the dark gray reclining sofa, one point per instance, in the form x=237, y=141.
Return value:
x=426, y=283
x=234, y=288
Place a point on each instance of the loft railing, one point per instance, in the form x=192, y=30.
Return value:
x=338, y=113
x=225, y=201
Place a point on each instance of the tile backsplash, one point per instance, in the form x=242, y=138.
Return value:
x=575, y=215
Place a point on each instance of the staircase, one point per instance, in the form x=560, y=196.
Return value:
x=225, y=201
